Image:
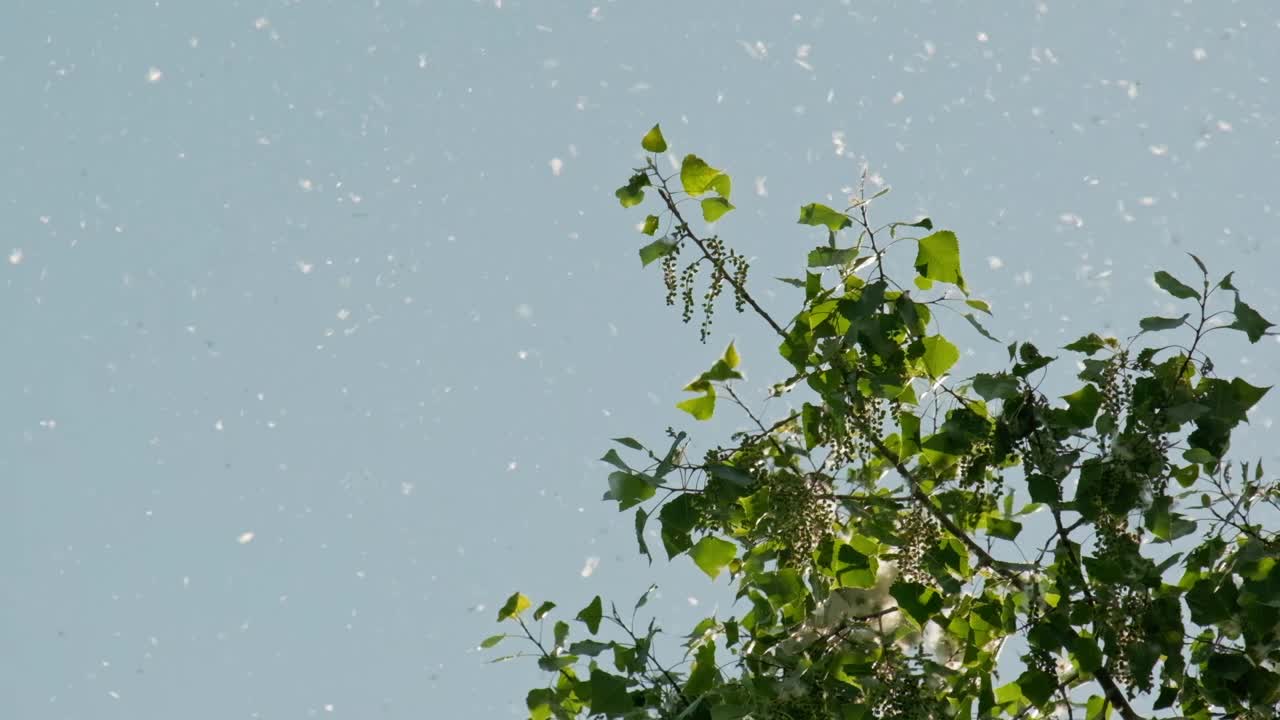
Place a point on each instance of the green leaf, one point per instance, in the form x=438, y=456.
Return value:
x=561, y=632
x=1174, y=287
x=655, y=250
x=939, y=355
x=1249, y=321
x=698, y=177
x=1150, y=324
x=650, y=225
x=793, y=282
x=1200, y=264
x=731, y=357
x=939, y=259
x=1086, y=653
x=644, y=597
x=543, y=609
x=591, y=615
x=1003, y=528
x=492, y=640
x=701, y=408
x=1089, y=344
x=819, y=215
x=633, y=192
x=609, y=694
x=712, y=554
x=1098, y=708
x=703, y=674
x=924, y=223
x=731, y=474
x=1037, y=686
x=826, y=257
x=1001, y=386
x=714, y=208
x=538, y=701
x=1082, y=406
x=642, y=517
x=1043, y=489
x=613, y=459
x=1199, y=455
x=629, y=489
x=590, y=648
x=678, y=518
x=1030, y=360
x=665, y=465
x=653, y=140
x=982, y=305
x=629, y=442
x=916, y=600
x=978, y=326
x=512, y=608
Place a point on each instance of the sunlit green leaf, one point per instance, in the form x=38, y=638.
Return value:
x=1098, y=708
x=697, y=177
x=939, y=355
x=1082, y=406
x=982, y=305
x=653, y=140
x=731, y=357
x=938, y=258
x=650, y=225
x=514, y=605
x=714, y=208
x=655, y=250
x=702, y=407
x=492, y=640
x=712, y=554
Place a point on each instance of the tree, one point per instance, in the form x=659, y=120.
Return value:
x=882, y=537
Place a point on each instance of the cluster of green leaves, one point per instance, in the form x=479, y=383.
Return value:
x=896, y=532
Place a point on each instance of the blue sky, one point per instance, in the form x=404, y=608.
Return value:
x=320, y=313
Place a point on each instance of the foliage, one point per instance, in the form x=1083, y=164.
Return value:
x=881, y=537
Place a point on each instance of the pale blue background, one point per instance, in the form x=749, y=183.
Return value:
x=303, y=269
